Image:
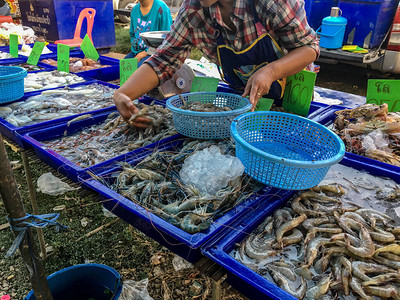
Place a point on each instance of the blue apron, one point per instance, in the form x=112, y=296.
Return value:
x=238, y=66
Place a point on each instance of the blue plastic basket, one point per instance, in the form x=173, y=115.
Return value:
x=11, y=83
x=207, y=125
x=284, y=150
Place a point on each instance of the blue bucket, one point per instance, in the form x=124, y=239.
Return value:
x=82, y=282
x=332, y=32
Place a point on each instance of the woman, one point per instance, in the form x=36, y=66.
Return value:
x=147, y=15
x=244, y=37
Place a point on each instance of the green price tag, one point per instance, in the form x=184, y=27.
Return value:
x=298, y=92
x=14, y=45
x=126, y=68
x=384, y=91
x=204, y=84
x=89, y=49
x=264, y=104
x=63, y=58
x=37, y=49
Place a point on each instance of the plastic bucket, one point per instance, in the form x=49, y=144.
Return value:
x=332, y=32
x=82, y=282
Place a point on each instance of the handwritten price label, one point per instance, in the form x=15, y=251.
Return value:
x=63, y=58
x=88, y=48
x=264, y=104
x=14, y=45
x=204, y=84
x=298, y=92
x=126, y=68
x=34, y=57
x=384, y=91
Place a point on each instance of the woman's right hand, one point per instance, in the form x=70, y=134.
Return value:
x=124, y=105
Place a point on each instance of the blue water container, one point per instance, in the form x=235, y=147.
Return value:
x=332, y=30
x=56, y=19
x=368, y=21
x=316, y=10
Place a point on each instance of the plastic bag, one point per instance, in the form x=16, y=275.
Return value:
x=51, y=185
x=180, y=264
x=210, y=171
x=376, y=140
x=135, y=290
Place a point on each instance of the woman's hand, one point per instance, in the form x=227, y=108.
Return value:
x=141, y=55
x=124, y=105
x=259, y=84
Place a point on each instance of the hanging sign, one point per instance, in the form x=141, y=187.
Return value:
x=298, y=92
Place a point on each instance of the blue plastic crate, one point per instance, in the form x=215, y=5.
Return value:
x=368, y=19
x=177, y=240
x=242, y=278
x=9, y=130
x=105, y=74
x=36, y=134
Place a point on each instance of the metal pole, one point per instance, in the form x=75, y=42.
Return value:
x=15, y=209
x=32, y=195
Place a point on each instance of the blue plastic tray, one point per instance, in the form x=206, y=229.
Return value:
x=315, y=108
x=34, y=136
x=327, y=119
x=244, y=279
x=23, y=59
x=9, y=130
x=105, y=74
x=349, y=100
x=177, y=240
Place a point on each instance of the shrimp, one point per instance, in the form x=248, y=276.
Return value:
x=320, y=289
x=287, y=227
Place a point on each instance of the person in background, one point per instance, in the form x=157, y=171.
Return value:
x=147, y=15
x=4, y=8
x=256, y=43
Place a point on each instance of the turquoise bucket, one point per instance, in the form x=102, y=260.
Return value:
x=332, y=32
x=82, y=282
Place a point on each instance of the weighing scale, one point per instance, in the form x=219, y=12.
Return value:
x=181, y=81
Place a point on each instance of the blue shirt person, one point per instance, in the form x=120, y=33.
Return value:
x=147, y=15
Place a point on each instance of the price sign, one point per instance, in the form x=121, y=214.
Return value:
x=264, y=104
x=126, y=68
x=63, y=58
x=204, y=84
x=89, y=49
x=14, y=45
x=384, y=91
x=37, y=49
x=298, y=92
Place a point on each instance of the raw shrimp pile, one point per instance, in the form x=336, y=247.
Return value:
x=371, y=131
x=112, y=137
x=155, y=184
x=324, y=245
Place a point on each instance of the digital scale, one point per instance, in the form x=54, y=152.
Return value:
x=181, y=81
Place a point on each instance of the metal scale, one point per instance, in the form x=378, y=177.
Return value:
x=181, y=81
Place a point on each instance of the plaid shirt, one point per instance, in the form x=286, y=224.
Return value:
x=284, y=20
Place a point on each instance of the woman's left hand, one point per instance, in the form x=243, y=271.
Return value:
x=141, y=55
x=258, y=85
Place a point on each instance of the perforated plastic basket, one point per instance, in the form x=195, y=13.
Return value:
x=207, y=125
x=284, y=150
x=11, y=83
